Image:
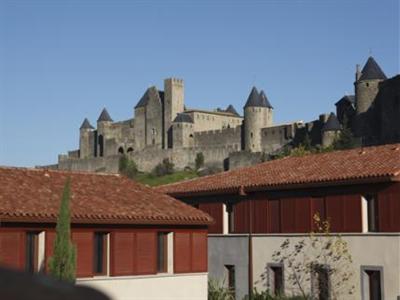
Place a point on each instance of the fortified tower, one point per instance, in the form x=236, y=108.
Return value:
x=173, y=105
x=330, y=130
x=103, y=124
x=182, y=131
x=257, y=115
x=86, y=141
x=366, y=89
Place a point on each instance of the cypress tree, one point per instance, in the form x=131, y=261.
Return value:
x=62, y=264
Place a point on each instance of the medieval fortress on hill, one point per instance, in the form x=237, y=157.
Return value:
x=163, y=127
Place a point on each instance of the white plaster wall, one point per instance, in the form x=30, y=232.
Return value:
x=152, y=287
x=382, y=250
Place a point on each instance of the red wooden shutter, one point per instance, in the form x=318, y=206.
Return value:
x=122, y=253
x=182, y=252
x=303, y=215
x=318, y=207
x=199, y=252
x=288, y=215
x=84, y=253
x=335, y=212
x=50, y=238
x=146, y=254
x=215, y=210
x=352, y=213
x=388, y=208
x=274, y=216
x=241, y=216
x=12, y=249
x=260, y=215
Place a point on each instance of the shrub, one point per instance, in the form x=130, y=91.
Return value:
x=265, y=295
x=217, y=291
x=199, y=161
x=127, y=167
x=164, y=168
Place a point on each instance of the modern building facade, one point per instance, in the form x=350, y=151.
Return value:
x=257, y=208
x=131, y=242
x=163, y=127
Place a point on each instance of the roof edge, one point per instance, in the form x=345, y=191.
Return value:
x=290, y=186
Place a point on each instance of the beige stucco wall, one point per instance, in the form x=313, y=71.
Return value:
x=169, y=286
x=380, y=250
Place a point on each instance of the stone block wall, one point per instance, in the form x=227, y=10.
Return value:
x=228, y=137
x=275, y=137
x=206, y=121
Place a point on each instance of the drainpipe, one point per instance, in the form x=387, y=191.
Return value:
x=250, y=248
x=250, y=244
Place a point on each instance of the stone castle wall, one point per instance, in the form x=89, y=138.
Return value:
x=275, y=137
x=147, y=160
x=228, y=137
x=206, y=121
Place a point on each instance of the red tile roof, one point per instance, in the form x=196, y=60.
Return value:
x=371, y=164
x=34, y=195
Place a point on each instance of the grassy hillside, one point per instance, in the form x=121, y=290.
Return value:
x=152, y=180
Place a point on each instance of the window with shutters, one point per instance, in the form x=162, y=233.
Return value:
x=83, y=241
x=11, y=249
x=231, y=218
x=370, y=213
x=122, y=253
x=162, y=252
x=100, y=253
x=146, y=252
x=32, y=252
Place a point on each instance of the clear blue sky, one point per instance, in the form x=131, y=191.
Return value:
x=62, y=61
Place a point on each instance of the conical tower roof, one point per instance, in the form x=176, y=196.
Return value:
x=253, y=99
x=264, y=100
x=372, y=70
x=231, y=110
x=104, y=116
x=332, y=124
x=86, y=124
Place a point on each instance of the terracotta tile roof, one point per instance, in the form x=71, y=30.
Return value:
x=34, y=195
x=372, y=164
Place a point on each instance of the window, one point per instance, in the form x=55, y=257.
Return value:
x=32, y=252
x=100, y=253
x=372, y=283
x=275, y=279
x=162, y=252
x=321, y=282
x=374, y=280
x=370, y=213
x=121, y=150
x=231, y=218
x=230, y=278
x=130, y=149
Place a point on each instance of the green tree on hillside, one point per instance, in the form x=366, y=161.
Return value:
x=199, y=161
x=62, y=264
x=346, y=139
x=127, y=167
